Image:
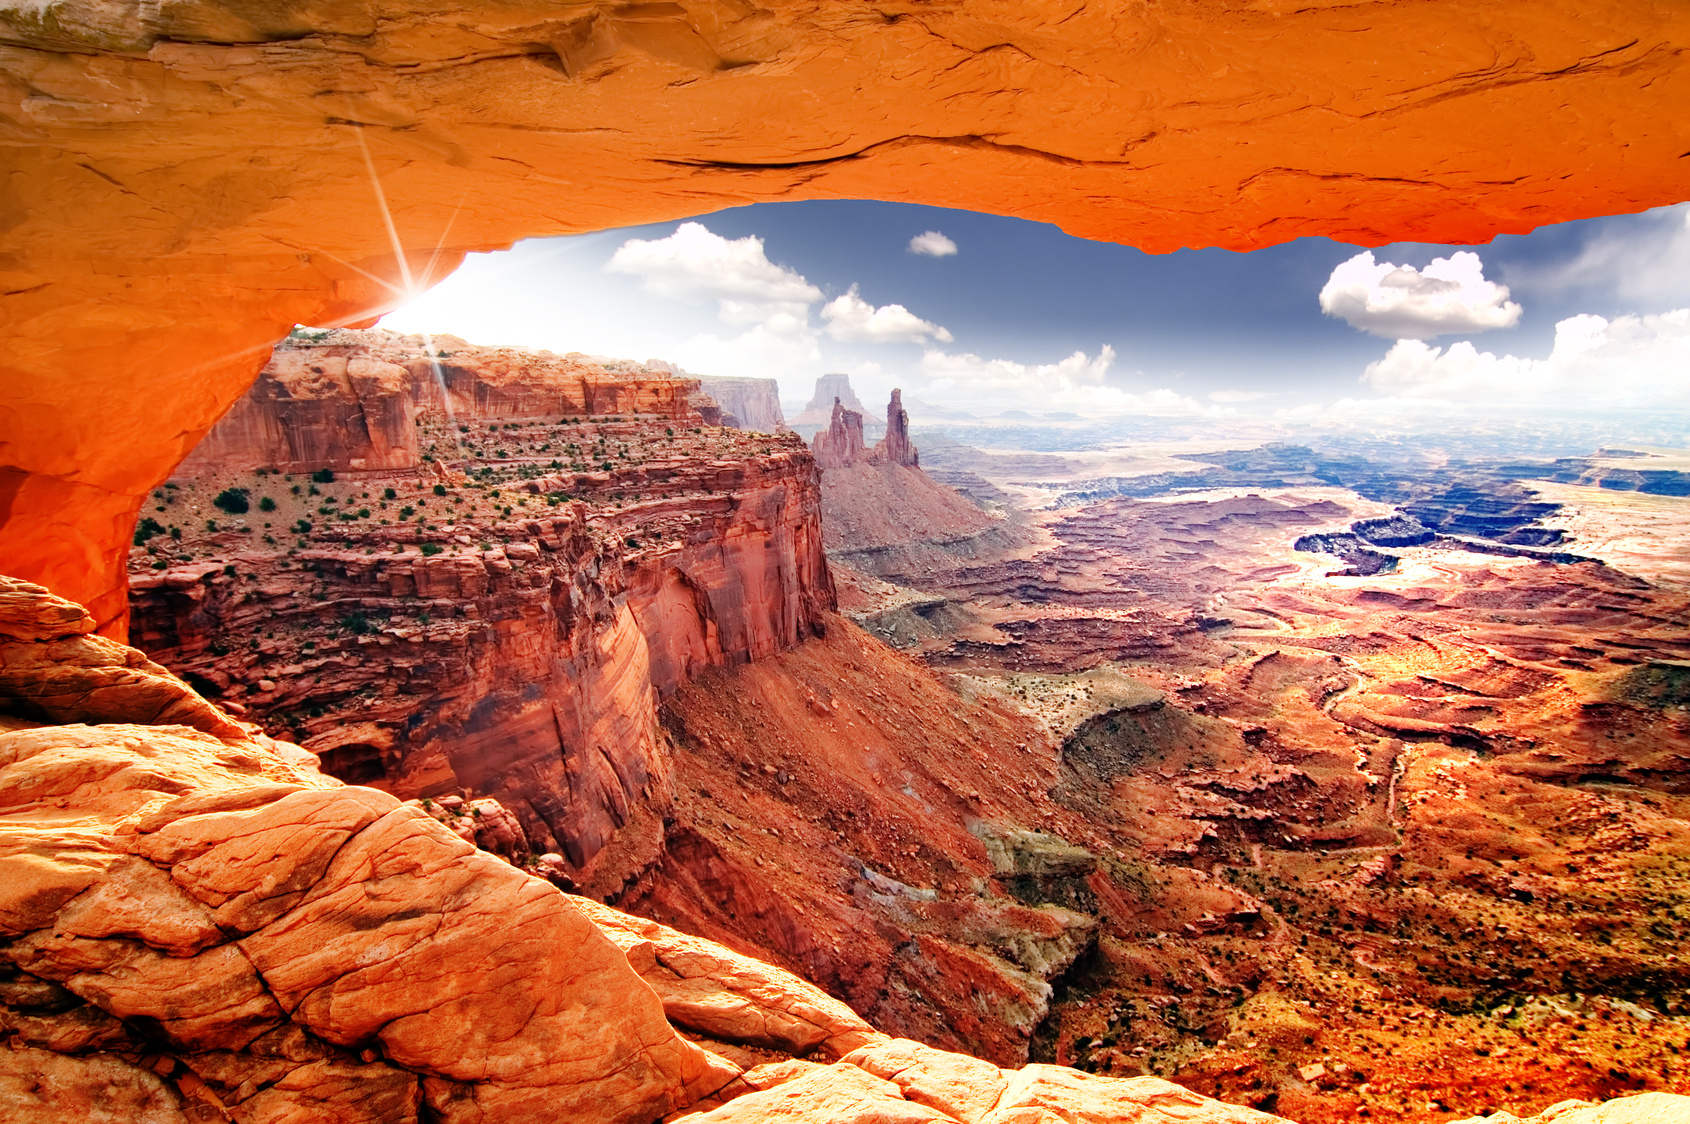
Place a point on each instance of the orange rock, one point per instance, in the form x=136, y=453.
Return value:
x=42, y=1087
x=710, y=989
x=54, y=670
x=190, y=185
x=838, y=1094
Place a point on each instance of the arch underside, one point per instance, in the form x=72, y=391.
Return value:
x=186, y=182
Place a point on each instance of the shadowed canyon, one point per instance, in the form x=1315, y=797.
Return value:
x=399, y=727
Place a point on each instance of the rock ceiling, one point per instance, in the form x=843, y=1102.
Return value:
x=188, y=179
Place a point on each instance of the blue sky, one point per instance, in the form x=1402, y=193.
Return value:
x=1012, y=314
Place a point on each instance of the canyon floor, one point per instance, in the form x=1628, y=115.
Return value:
x=1095, y=767
x=1408, y=846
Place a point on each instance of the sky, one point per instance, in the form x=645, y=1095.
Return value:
x=983, y=314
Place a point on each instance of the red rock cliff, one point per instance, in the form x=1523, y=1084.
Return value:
x=519, y=655
x=841, y=443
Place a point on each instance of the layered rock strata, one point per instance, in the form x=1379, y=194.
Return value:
x=199, y=926
x=351, y=401
x=501, y=624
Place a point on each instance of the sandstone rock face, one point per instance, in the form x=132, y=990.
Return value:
x=350, y=400
x=753, y=403
x=517, y=657
x=198, y=929
x=192, y=181
x=279, y=946
x=895, y=447
x=841, y=443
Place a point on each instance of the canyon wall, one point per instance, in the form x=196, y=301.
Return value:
x=186, y=183
x=517, y=655
x=200, y=926
x=350, y=401
x=754, y=403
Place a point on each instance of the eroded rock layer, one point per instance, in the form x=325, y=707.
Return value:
x=504, y=619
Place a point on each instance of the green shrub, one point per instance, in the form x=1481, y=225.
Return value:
x=265, y=503
x=440, y=489
x=389, y=494
x=232, y=500
x=323, y=476
x=147, y=528
x=430, y=548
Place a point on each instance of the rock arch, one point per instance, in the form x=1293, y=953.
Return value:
x=187, y=181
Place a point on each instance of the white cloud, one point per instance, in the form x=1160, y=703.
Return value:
x=851, y=319
x=1627, y=361
x=696, y=264
x=1401, y=302
x=1076, y=383
x=933, y=244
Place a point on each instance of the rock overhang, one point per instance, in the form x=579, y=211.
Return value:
x=188, y=182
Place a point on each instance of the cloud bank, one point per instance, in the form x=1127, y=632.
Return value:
x=1401, y=302
x=1078, y=382
x=1624, y=362
x=933, y=244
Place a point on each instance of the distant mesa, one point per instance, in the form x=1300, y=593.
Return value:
x=817, y=415
x=746, y=403
x=830, y=387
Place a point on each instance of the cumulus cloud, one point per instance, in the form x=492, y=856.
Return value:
x=1401, y=302
x=1626, y=361
x=851, y=319
x=1078, y=382
x=696, y=264
x=933, y=244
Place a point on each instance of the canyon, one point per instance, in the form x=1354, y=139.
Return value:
x=1135, y=785
x=200, y=926
x=519, y=556
x=1120, y=786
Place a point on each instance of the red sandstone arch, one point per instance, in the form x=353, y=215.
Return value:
x=186, y=181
